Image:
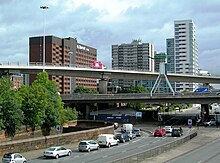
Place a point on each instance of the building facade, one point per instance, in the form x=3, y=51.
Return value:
x=63, y=52
x=170, y=55
x=135, y=56
x=185, y=58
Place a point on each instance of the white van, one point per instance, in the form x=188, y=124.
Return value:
x=107, y=140
x=127, y=127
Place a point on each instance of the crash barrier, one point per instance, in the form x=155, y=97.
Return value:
x=140, y=157
x=42, y=142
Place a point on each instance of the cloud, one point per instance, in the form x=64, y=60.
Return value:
x=207, y=61
x=102, y=23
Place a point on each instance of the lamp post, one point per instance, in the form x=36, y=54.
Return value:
x=44, y=8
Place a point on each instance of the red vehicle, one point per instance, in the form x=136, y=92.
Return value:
x=159, y=132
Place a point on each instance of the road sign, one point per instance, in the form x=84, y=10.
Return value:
x=58, y=128
x=138, y=114
x=190, y=123
x=160, y=119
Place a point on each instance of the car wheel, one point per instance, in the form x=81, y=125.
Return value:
x=123, y=141
x=109, y=145
x=69, y=153
x=57, y=156
x=98, y=148
x=24, y=161
x=89, y=150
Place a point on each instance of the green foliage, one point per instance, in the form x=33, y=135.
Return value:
x=51, y=102
x=137, y=89
x=69, y=114
x=10, y=108
x=82, y=89
x=33, y=105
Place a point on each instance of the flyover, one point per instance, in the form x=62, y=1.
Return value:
x=197, y=98
x=105, y=73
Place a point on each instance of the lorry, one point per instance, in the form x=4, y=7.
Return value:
x=126, y=127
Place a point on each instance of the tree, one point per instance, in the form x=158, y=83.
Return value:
x=82, y=89
x=10, y=104
x=33, y=102
x=69, y=114
x=50, y=100
x=137, y=89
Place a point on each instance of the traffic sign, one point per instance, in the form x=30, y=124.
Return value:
x=58, y=128
x=190, y=123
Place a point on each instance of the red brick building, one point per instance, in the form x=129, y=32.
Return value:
x=63, y=51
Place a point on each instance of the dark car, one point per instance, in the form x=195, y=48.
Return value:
x=131, y=134
x=122, y=137
x=137, y=131
x=177, y=132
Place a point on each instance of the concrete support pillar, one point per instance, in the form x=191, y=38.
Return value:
x=204, y=111
x=103, y=86
x=87, y=111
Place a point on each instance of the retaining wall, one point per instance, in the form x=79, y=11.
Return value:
x=64, y=138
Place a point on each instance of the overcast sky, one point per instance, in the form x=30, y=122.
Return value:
x=102, y=23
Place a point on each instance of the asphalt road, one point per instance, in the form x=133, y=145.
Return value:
x=109, y=154
x=208, y=153
x=205, y=136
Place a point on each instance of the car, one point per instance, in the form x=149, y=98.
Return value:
x=177, y=132
x=210, y=122
x=126, y=127
x=116, y=125
x=159, y=132
x=13, y=158
x=107, y=140
x=137, y=131
x=88, y=145
x=131, y=134
x=57, y=151
x=168, y=129
x=122, y=137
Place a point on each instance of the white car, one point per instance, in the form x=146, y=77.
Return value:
x=13, y=158
x=88, y=145
x=57, y=151
x=107, y=140
x=168, y=129
x=210, y=122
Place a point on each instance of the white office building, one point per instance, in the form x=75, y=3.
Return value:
x=185, y=52
x=135, y=56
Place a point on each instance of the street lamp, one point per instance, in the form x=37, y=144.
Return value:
x=44, y=8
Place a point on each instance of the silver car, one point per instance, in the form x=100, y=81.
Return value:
x=88, y=145
x=13, y=158
x=57, y=151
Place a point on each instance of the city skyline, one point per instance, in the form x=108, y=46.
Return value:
x=103, y=23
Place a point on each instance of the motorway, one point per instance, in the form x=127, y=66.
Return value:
x=136, y=145
x=208, y=153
